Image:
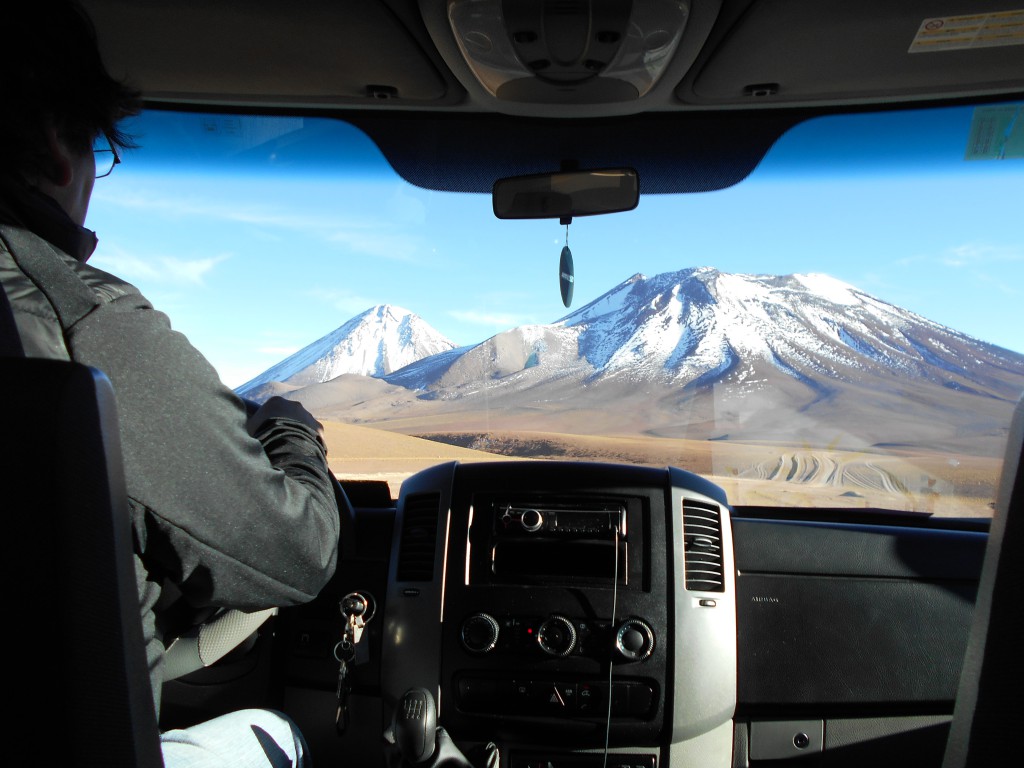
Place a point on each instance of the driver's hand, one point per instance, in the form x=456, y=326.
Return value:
x=279, y=407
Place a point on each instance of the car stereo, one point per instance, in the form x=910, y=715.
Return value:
x=551, y=540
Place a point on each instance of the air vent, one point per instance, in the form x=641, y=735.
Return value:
x=419, y=538
x=702, y=546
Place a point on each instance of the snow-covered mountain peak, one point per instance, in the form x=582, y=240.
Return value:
x=375, y=342
x=699, y=324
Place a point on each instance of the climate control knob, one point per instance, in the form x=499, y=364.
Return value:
x=634, y=640
x=556, y=636
x=480, y=633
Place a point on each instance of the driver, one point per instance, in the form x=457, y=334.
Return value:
x=228, y=511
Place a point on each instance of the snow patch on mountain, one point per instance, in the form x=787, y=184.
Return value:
x=828, y=287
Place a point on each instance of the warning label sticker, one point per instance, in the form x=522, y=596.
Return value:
x=979, y=30
x=997, y=133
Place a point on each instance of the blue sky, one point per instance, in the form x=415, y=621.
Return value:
x=252, y=261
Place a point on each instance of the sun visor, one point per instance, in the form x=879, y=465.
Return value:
x=338, y=62
x=874, y=50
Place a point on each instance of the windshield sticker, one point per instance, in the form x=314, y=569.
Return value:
x=997, y=133
x=977, y=30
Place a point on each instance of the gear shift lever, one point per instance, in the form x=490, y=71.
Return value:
x=414, y=726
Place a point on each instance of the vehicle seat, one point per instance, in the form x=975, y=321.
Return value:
x=79, y=683
x=986, y=718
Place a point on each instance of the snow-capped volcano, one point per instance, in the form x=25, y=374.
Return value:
x=702, y=324
x=380, y=340
x=702, y=327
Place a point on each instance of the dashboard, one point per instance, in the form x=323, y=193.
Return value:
x=564, y=604
x=561, y=611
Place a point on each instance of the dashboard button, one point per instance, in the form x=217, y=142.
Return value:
x=569, y=693
x=558, y=698
x=634, y=640
x=557, y=636
x=620, y=699
x=480, y=633
x=524, y=699
x=532, y=520
x=641, y=699
x=592, y=698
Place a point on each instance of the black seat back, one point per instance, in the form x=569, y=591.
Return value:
x=73, y=635
x=988, y=702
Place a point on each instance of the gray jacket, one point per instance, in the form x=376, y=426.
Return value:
x=231, y=520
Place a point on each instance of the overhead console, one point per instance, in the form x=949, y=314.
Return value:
x=549, y=606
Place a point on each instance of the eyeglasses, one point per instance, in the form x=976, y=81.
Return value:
x=106, y=155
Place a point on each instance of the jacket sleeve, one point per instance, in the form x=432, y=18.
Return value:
x=235, y=521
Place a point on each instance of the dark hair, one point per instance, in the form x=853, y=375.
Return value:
x=51, y=70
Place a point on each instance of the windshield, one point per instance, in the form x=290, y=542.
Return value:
x=841, y=329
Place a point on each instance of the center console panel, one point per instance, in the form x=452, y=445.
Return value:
x=557, y=604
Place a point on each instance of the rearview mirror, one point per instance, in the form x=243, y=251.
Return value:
x=566, y=194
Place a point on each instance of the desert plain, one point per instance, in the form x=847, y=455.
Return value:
x=752, y=473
